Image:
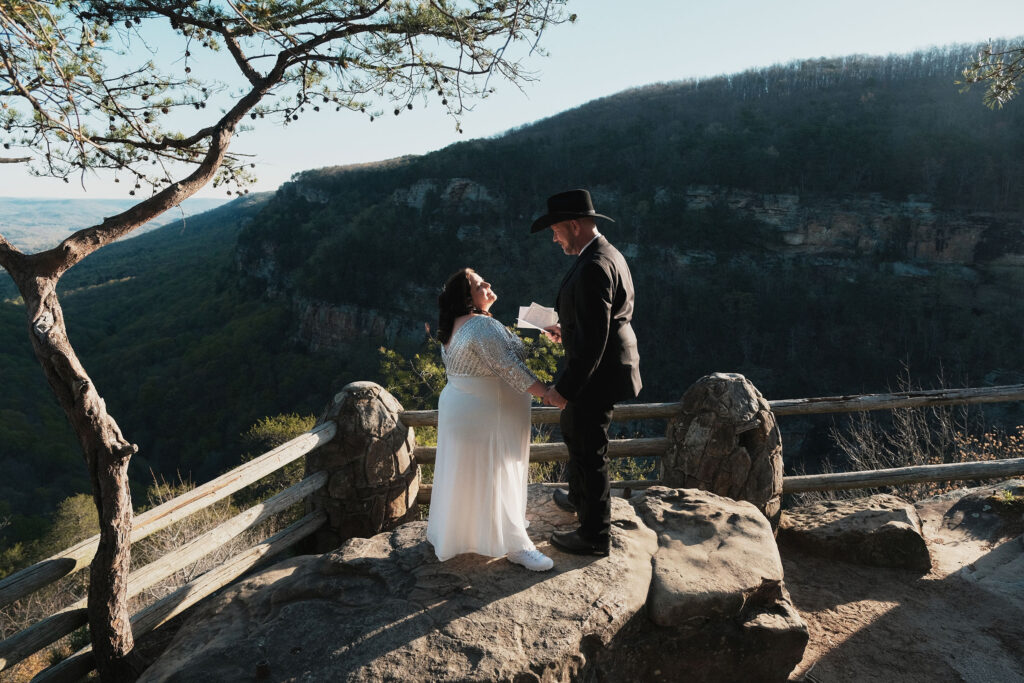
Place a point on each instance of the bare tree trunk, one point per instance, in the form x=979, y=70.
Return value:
x=106, y=451
x=107, y=454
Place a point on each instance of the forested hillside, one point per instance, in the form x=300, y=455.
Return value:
x=184, y=359
x=816, y=226
x=813, y=225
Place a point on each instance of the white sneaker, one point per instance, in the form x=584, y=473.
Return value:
x=534, y=560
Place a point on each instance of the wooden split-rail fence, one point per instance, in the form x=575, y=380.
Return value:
x=50, y=629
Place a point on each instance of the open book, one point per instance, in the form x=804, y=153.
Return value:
x=536, y=317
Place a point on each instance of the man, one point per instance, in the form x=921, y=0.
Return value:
x=595, y=306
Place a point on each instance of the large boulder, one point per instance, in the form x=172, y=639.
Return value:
x=878, y=531
x=373, y=479
x=725, y=441
x=384, y=609
x=718, y=609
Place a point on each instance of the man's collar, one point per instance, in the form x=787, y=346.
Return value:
x=592, y=239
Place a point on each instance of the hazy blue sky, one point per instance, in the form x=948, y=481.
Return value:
x=610, y=48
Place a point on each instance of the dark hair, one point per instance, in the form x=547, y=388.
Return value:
x=455, y=299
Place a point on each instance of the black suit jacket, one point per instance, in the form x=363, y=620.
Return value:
x=595, y=307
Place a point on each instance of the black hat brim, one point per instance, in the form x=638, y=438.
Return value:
x=549, y=219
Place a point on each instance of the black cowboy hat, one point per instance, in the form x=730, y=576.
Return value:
x=565, y=206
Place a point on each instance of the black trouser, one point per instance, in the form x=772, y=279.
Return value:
x=585, y=430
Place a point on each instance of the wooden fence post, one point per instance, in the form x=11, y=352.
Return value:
x=726, y=441
x=372, y=474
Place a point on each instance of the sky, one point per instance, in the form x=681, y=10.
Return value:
x=608, y=49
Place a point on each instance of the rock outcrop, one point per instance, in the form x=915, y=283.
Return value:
x=858, y=234
x=384, y=608
x=726, y=441
x=373, y=479
x=323, y=326
x=992, y=513
x=858, y=225
x=878, y=531
x=718, y=609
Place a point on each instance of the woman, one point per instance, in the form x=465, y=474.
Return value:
x=478, y=502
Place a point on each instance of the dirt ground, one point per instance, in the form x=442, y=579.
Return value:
x=963, y=621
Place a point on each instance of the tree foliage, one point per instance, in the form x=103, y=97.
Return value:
x=417, y=381
x=76, y=99
x=270, y=432
x=1000, y=68
x=265, y=435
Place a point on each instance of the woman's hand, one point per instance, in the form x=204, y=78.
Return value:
x=538, y=390
x=553, y=398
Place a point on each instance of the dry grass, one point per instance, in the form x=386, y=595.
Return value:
x=70, y=589
x=914, y=437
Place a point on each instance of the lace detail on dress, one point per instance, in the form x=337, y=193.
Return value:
x=482, y=347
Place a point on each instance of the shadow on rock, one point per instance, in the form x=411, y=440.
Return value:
x=870, y=623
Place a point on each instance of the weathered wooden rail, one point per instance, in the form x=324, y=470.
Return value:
x=78, y=556
x=58, y=625
x=895, y=476
x=627, y=448
x=901, y=399
x=557, y=451
x=81, y=663
x=51, y=628
x=789, y=406
x=621, y=413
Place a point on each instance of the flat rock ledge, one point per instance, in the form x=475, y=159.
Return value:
x=877, y=531
x=992, y=512
x=692, y=591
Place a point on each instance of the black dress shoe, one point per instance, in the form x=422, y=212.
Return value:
x=561, y=498
x=572, y=542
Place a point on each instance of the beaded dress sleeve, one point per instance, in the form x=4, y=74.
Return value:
x=485, y=348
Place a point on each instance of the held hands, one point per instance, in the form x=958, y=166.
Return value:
x=554, y=333
x=553, y=398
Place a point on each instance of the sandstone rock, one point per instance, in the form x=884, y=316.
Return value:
x=726, y=442
x=466, y=196
x=879, y=531
x=415, y=196
x=384, y=608
x=1001, y=571
x=982, y=528
x=325, y=326
x=713, y=552
x=718, y=610
x=977, y=514
x=373, y=478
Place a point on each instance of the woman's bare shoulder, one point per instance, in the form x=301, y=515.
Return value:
x=457, y=325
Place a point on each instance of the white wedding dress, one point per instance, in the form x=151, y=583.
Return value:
x=478, y=501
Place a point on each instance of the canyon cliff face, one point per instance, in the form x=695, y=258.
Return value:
x=331, y=327
x=869, y=226
x=326, y=326
x=910, y=238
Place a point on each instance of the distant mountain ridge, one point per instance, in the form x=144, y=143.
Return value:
x=35, y=224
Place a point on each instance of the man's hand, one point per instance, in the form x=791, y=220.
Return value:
x=554, y=333
x=553, y=398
